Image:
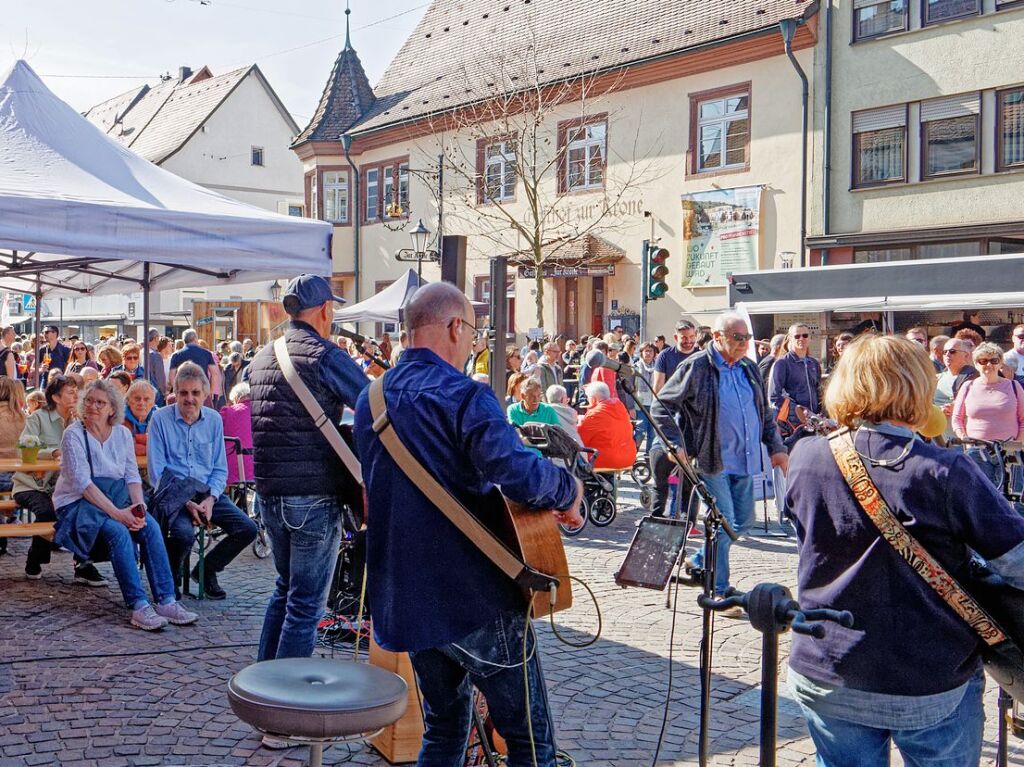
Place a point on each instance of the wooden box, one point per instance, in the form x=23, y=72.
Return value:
x=401, y=741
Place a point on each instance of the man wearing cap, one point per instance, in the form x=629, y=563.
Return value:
x=301, y=483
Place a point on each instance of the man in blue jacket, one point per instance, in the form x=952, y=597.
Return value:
x=714, y=405
x=796, y=377
x=434, y=594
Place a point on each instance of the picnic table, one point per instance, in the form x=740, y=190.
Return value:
x=42, y=465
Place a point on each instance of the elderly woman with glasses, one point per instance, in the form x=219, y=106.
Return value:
x=886, y=680
x=101, y=511
x=989, y=408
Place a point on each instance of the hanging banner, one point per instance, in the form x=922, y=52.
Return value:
x=721, y=228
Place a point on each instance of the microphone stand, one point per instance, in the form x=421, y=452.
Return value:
x=714, y=523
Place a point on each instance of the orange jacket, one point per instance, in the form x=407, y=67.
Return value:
x=606, y=427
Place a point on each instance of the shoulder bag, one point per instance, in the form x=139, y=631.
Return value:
x=993, y=609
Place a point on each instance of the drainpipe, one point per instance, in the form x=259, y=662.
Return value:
x=788, y=28
x=826, y=192
x=346, y=144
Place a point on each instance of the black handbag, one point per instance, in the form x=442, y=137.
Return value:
x=993, y=608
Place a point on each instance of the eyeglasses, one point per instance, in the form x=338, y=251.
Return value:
x=1019, y=335
x=80, y=349
x=801, y=335
x=953, y=351
x=476, y=333
x=131, y=357
x=740, y=337
x=93, y=402
x=990, y=361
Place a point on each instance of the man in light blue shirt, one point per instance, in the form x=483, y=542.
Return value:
x=187, y=440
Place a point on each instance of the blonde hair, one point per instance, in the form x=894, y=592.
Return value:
x=112, y=354
x=12, y=399
x=882, y=378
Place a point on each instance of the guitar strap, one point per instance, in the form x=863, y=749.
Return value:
x=907, y=546
x=456, y=513
x=323, y=423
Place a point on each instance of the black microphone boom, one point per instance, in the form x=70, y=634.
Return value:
x=597, y=359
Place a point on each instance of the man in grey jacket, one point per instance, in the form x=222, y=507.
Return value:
x=715, y=406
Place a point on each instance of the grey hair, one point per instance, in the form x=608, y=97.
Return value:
x=113, y=397
x=777, y=340
x=235, y=346
x=530, y=383
x=190, y=336
x=598, y=390
x=986, y=348
x=240, y=392
x=555, y=393
x=434, y=303
x=141, y=383
x=794, y=326
x=234, y=357
x=725, y=319
x=190, y=370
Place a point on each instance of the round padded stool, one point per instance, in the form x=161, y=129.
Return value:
x=317, y=700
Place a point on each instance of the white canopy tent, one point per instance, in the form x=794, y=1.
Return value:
x=386, y=306
x=80, y=214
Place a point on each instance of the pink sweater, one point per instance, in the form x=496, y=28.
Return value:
x=989, y=411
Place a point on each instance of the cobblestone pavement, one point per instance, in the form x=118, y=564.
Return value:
x=79, y=687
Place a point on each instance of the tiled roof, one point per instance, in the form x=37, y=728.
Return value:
x=588, y=249
x=159, y=120
x=346, y=96
x=451, y=56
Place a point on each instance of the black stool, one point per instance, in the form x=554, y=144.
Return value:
x=317, y=701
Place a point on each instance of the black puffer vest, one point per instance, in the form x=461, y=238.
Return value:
x=290, y=455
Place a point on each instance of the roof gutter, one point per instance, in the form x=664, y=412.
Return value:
x=811, y=10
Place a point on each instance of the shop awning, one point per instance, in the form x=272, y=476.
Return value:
x=926, y=285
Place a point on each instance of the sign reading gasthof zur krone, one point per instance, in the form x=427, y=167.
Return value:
x=721, y=229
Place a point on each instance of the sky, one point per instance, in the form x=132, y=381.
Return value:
x=87, y=51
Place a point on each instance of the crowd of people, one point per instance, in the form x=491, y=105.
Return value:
x=728, y=406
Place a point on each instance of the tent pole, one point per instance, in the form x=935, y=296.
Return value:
x=39, y=331
x=145, y=317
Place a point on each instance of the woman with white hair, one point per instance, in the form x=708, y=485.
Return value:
x=237, y=419
x=607, y=427
x=101, y=510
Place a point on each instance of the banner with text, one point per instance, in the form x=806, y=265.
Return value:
x=721, y=228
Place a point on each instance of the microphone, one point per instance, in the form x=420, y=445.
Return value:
x=597, y=359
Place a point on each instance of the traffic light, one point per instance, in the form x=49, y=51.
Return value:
x=657, y=271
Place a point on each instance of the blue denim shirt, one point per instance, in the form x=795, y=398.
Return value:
x=189, y=450
x=429, y=585
x=739, y=426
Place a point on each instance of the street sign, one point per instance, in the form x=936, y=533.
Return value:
x=615, y=304
x=535, y=334
x=204, y=321
x=556, y=270
x=28, y=303
x=131, y=308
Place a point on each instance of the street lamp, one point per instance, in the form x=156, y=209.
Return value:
x=418, y=253
x=275, y=289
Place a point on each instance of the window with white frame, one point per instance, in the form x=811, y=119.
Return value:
x=389, y=192
x=949, y=135
x=585, y=156
x=723, y=132
x=1010, y=129
x=294, y=210
x=943, y=10
x=879, y=146
x=314, y=208
x=372, y=194
x=872, y=18
x=403, y=187
x=499, y=172
x=257, y=156
x=336, y=196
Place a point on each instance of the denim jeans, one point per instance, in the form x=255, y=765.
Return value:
x=119, y=542
x=304, y=533
x=734, y=494
x=491, y=659
x=953, y=742
x=239, y=531
x=643, y=433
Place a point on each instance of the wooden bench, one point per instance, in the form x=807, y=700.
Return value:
x=27, y=530
x=8, y=505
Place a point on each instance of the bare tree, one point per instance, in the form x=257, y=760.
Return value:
x=510, y=174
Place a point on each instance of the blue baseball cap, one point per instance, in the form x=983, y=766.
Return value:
x=307, y=291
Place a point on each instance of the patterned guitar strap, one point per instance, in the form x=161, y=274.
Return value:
x=913, y=553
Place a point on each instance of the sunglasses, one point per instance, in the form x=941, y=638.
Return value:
x=801, y=335
x=991, y=361
x=740, y=337
x=953, y=351
x=1018, y=335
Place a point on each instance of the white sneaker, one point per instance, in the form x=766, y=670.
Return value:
x=176, y=614
x=146, y=618
x=275, y=744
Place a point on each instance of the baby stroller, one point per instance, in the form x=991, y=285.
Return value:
x=598, y=494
